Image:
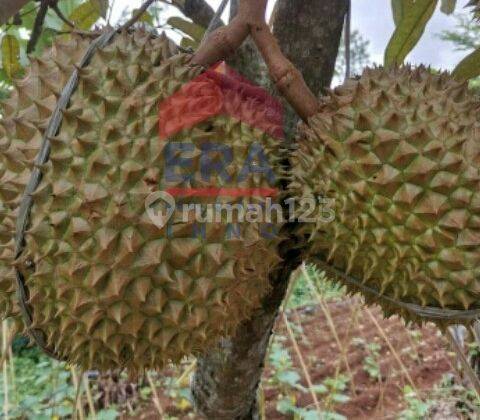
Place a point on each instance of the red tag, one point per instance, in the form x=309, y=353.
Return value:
x=220, y=91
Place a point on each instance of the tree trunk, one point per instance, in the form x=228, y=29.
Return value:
x=226, y=380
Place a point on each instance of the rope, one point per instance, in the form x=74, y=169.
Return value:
x=426, y=312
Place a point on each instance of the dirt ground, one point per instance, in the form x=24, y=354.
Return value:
x=420, y=359
x=424, y=356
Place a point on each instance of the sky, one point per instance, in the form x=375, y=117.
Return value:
x=373, y=19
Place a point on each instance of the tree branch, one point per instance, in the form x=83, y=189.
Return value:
x=38, y=25
x=226, y=40
x=137, y=15
x=62, y=17
x=216, y=21
x=311, y=42
x=199, y=11
x=287, y=77
x=8, y=8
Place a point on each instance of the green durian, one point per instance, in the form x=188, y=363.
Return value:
x=395, y=153
x=107, y=287
x=23, y=118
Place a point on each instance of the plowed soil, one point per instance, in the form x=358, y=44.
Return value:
x=420, y=359
x=423, y=354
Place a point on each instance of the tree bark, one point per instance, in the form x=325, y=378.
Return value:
x=225, y=383
x=311, y=41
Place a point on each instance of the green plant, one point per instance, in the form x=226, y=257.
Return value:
x=335, y=388
x=371, y=362
x=302, y=293
x=287, y=379
x=42, y=388
x=416, y=408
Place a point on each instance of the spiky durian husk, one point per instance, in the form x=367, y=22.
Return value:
x=475, y=5
x=23, y=118
x=107, y=287
x=397, y=151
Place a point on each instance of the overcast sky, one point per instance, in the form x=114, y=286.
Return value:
x=373, y=18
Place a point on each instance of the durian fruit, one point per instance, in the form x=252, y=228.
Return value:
x=23, y=117
x=107, y=287
x=475, y=5
x=395, y=153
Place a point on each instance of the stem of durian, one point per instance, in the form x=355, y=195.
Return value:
x=226, y=40
x=287, y=77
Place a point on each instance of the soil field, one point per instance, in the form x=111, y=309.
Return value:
x=404, y=356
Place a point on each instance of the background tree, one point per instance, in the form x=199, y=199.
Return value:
x=465, y=37
x=359, y=55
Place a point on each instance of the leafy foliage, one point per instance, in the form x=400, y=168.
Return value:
x=416, y=408
x=465, y=36
x=412, y=20
x=42, y=389
x=10, y=55
x=85, y=15
x=287, y=379
x=371, y=362
x=302, y=293
x=193, y=33
x=469, y=67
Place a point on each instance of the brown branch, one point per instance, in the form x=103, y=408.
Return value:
x=199, y=11
x=8, y=8
x=287, y=77
x=216, y=21
x=137, y=15
x=38, y=25
x=62, y=17
x=92, y=34
x=226, y=40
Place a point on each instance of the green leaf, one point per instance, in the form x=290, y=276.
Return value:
x=286, y=406
x=107, y=414
x=319, y=389
x=409, y=30
x=28, y=14
x=10, y=55
x=189, y=43
x=397, y=10
x=85, y=15
x=448, y=6
x=103, y=6
x=67, y=7
x=289, y=377
x=193, y=30
x=469, y=67
x=146, y=17
x=340, y=398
